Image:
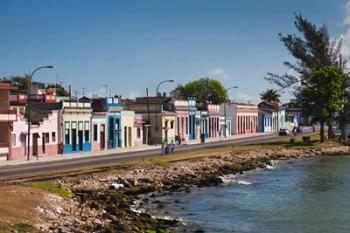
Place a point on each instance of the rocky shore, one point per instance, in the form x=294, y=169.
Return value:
x=110, y=201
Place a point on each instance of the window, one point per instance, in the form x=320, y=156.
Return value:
x=138, y=132
x=67, y=133
x=95, y=132
x=87, y=130
x=47, y=138
x=171, y=124
x=53, y=136
x=13, y=139
x=186, y=125
x=166, y=124
x=178, y=125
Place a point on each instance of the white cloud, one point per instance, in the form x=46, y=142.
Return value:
x=346, y=21
x=345, y=37
x=346, y=43
x=220, y=73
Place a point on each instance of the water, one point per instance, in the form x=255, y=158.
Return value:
x=310, y=195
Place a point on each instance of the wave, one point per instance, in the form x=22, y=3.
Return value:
x=244, y=182
x=233, y=179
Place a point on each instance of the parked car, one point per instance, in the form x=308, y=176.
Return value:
x=283, y=132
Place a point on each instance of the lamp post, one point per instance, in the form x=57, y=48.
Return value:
x=165, y=81
x=29, y=103
x=157, y=90
x=225, y=125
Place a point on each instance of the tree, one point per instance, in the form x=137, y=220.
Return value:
x=313, y=51
x=271, y=96
x=204, y=90
x=322, y=95
x=60, y=89
x=22, y=84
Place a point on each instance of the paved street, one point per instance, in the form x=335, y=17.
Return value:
x=35, y=168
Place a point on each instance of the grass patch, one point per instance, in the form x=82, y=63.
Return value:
x=52, y=187
x=23, y=227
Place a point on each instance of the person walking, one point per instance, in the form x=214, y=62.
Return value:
x=172, y=147
x=162, y=149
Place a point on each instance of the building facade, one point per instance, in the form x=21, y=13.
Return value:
x=7, y=117
x=245, y=118
x=127, y=128
x=76, y=126
x=160, y=116
x=181, y=108
x=45, y=136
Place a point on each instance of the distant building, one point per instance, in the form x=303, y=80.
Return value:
x=45, y=130
x=106, y=119
x=7, y=117
x=159, y=114
x=209, y=119
x=76, y=122
x=294, y=115
x=245, y=118
x=268, y=117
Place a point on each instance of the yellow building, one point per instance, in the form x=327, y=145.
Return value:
x=127, y=128
x=159, y=114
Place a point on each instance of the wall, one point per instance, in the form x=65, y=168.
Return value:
x=127, y=128
x=98, y=120
x=73, y=114
x=20, y=128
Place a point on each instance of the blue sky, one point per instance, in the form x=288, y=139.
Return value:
x=131, y=45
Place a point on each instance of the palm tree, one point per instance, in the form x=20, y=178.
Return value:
x=271, y=96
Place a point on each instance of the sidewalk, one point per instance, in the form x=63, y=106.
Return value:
x=60, y=157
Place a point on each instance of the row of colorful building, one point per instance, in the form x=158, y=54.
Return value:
x=67, y=125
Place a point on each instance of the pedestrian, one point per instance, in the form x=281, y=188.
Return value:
x=162, y=149
x=167, y=149
x=172, y=147
x=202, y=138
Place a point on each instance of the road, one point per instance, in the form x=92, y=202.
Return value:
x=35, y=169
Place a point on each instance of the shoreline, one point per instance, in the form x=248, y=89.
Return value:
x=108, y=200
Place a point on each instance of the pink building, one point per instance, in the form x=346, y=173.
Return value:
x=181, y=108
x=45, y=130
x=245, y=118
x=214, y=120
x=138, y=130
x=98, y=121
x=7, y=116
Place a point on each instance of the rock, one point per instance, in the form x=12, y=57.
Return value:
x=116, y=186
x=59, y=210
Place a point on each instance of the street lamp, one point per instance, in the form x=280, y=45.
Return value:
x=165, y=81
x=225, y=125
x=29, y=104
x=157, y=90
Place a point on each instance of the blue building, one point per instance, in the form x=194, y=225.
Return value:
x=112, y=108
x=76, y=130
x=268, y=117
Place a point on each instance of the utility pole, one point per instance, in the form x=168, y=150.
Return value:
x=84, y=88
x=149, y=119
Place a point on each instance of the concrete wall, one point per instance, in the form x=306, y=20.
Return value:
x=99, y=121
x=4, y=99
x=127, y=128
x=50, y=126
x=78, y=119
